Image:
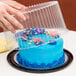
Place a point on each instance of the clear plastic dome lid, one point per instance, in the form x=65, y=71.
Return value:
x=45, y=25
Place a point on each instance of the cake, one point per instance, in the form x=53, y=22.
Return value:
x=3, y=45
x=40, y=49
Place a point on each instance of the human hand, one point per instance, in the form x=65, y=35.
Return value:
x=9, y=8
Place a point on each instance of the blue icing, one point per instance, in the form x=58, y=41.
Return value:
x=44, y=53
x=35, y=65
x=43, y=56
x=53, y=43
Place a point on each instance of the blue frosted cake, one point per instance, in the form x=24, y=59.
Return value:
x=40, y=49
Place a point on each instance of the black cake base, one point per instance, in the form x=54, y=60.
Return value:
x=13, y=62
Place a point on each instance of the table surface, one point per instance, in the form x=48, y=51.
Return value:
x=69, y=43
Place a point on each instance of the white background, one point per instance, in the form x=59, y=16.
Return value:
x=69, y=43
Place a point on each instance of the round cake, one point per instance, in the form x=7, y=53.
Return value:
x=40, y=49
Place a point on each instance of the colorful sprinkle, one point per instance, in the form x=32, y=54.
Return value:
x=52, y=36
x=54, y=33
x=25, y=39
x=38, y=41
x=28, y=34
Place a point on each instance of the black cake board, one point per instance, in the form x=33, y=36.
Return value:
x=11, y=58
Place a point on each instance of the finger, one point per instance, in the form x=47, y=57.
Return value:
x=1, y=23
x=15, y=12
x=27, y=16
x=8, y=25
x=13, y=21
x=2, y=26
x=15, y=4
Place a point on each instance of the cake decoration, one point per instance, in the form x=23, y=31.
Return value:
x=30, y=33
x=47, y=33
x=24, y=38
x=33, y=31
x=38, y=41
